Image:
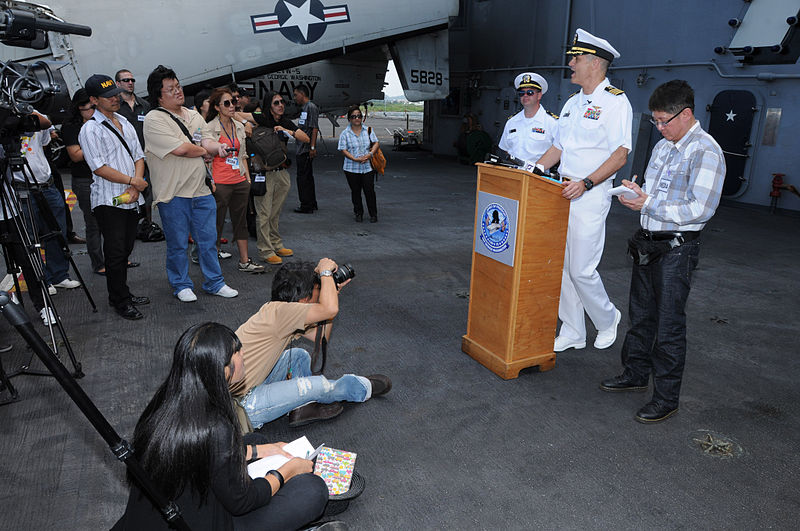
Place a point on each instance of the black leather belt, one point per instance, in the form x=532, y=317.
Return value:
x=661, y=235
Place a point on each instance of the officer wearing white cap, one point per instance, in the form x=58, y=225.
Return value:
x=529, y=133
x=592, y=142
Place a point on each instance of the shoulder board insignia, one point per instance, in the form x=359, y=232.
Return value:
x=510, y=117
x=568, y=97
x=554, y=115
x=614, y=90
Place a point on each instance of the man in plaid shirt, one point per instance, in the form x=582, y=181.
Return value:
x=682, y=189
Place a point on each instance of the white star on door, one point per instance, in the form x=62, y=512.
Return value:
x=730, y=116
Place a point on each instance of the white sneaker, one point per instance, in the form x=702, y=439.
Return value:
x=186, y=295
x=605, y=338
x=51, y=289
x=227, y=292
x=563, y=343
x=48, y=318
x=68, y=283
x=223, y=254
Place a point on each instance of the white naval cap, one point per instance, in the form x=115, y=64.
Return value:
x=530, y=80
x=585, y=42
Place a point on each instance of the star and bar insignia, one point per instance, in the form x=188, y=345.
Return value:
x=300, y=21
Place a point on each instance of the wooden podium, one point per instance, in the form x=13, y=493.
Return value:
x=513, y=311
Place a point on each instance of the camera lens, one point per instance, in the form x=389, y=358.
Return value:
x=343, y=273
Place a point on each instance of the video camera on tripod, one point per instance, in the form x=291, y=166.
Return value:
x=24, y=87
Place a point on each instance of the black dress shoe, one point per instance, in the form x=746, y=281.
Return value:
x=133, y=264
x=373, y=219
x=380, y=384
x=622, y=382
x=655, y=411
x=313, y=412
x=359, y=217
x=139, y=301
x=129, y=312
x=304, y=210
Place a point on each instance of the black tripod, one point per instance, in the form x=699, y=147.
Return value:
x=122, y=450
x=14, y=232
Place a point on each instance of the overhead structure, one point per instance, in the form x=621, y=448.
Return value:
x=206, y=42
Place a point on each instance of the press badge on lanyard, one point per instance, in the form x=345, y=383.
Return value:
x=664, y=182
x=233, y=158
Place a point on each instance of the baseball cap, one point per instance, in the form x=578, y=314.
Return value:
x=101, y=86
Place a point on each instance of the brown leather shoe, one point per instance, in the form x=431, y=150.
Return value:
x=381, y=384
x=313, y=412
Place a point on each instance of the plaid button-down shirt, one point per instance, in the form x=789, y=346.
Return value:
x=684, y=182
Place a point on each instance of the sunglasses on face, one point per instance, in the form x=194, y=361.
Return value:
x=355, y=117
x=127, y=80
x=529, y=92
x=228, y=103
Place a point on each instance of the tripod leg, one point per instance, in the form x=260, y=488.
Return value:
x=17, y=318
x=55, y=232
x=5, y=383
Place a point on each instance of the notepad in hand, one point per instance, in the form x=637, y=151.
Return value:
x=624, y=191
x=297, y=448
x=336, y=468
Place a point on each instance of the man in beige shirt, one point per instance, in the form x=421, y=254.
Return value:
x=175, y=152
x=278, y=378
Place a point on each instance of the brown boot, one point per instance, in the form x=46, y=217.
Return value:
x=313, y=412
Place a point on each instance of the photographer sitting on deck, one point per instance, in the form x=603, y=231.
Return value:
x=278, y=378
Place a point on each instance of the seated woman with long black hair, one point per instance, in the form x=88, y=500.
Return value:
x=189, y=443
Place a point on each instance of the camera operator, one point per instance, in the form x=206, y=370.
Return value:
x=56, y=264
x=12, y=244
x=278, y=378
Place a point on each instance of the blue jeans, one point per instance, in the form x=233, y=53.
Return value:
x=56, y=267
x=656, y=342
x=277, y=395
x=198, y=216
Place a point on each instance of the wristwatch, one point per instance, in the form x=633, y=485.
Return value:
x=313, y=148
x=326, y=273
x=587, y=182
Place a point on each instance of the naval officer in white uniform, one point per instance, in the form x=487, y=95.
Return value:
x=529, y=133
x=592, y=142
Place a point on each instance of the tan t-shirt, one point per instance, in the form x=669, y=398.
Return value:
x=264, y=337
x=172, y=176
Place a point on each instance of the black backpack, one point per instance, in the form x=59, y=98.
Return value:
x=268, y=147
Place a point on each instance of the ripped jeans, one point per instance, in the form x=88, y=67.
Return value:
x=277, y=395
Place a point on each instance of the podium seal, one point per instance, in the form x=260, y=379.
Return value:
x=495, y=228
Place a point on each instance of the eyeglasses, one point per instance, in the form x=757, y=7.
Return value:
x=664, y=124
x=228, y=103
x=174, y=90
x=529, y=92
x=355, y=116
x=127, y=80
x=278, y=102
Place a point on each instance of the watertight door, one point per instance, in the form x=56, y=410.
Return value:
x=731, y=122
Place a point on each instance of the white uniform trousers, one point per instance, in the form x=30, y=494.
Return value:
x=581, y=286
